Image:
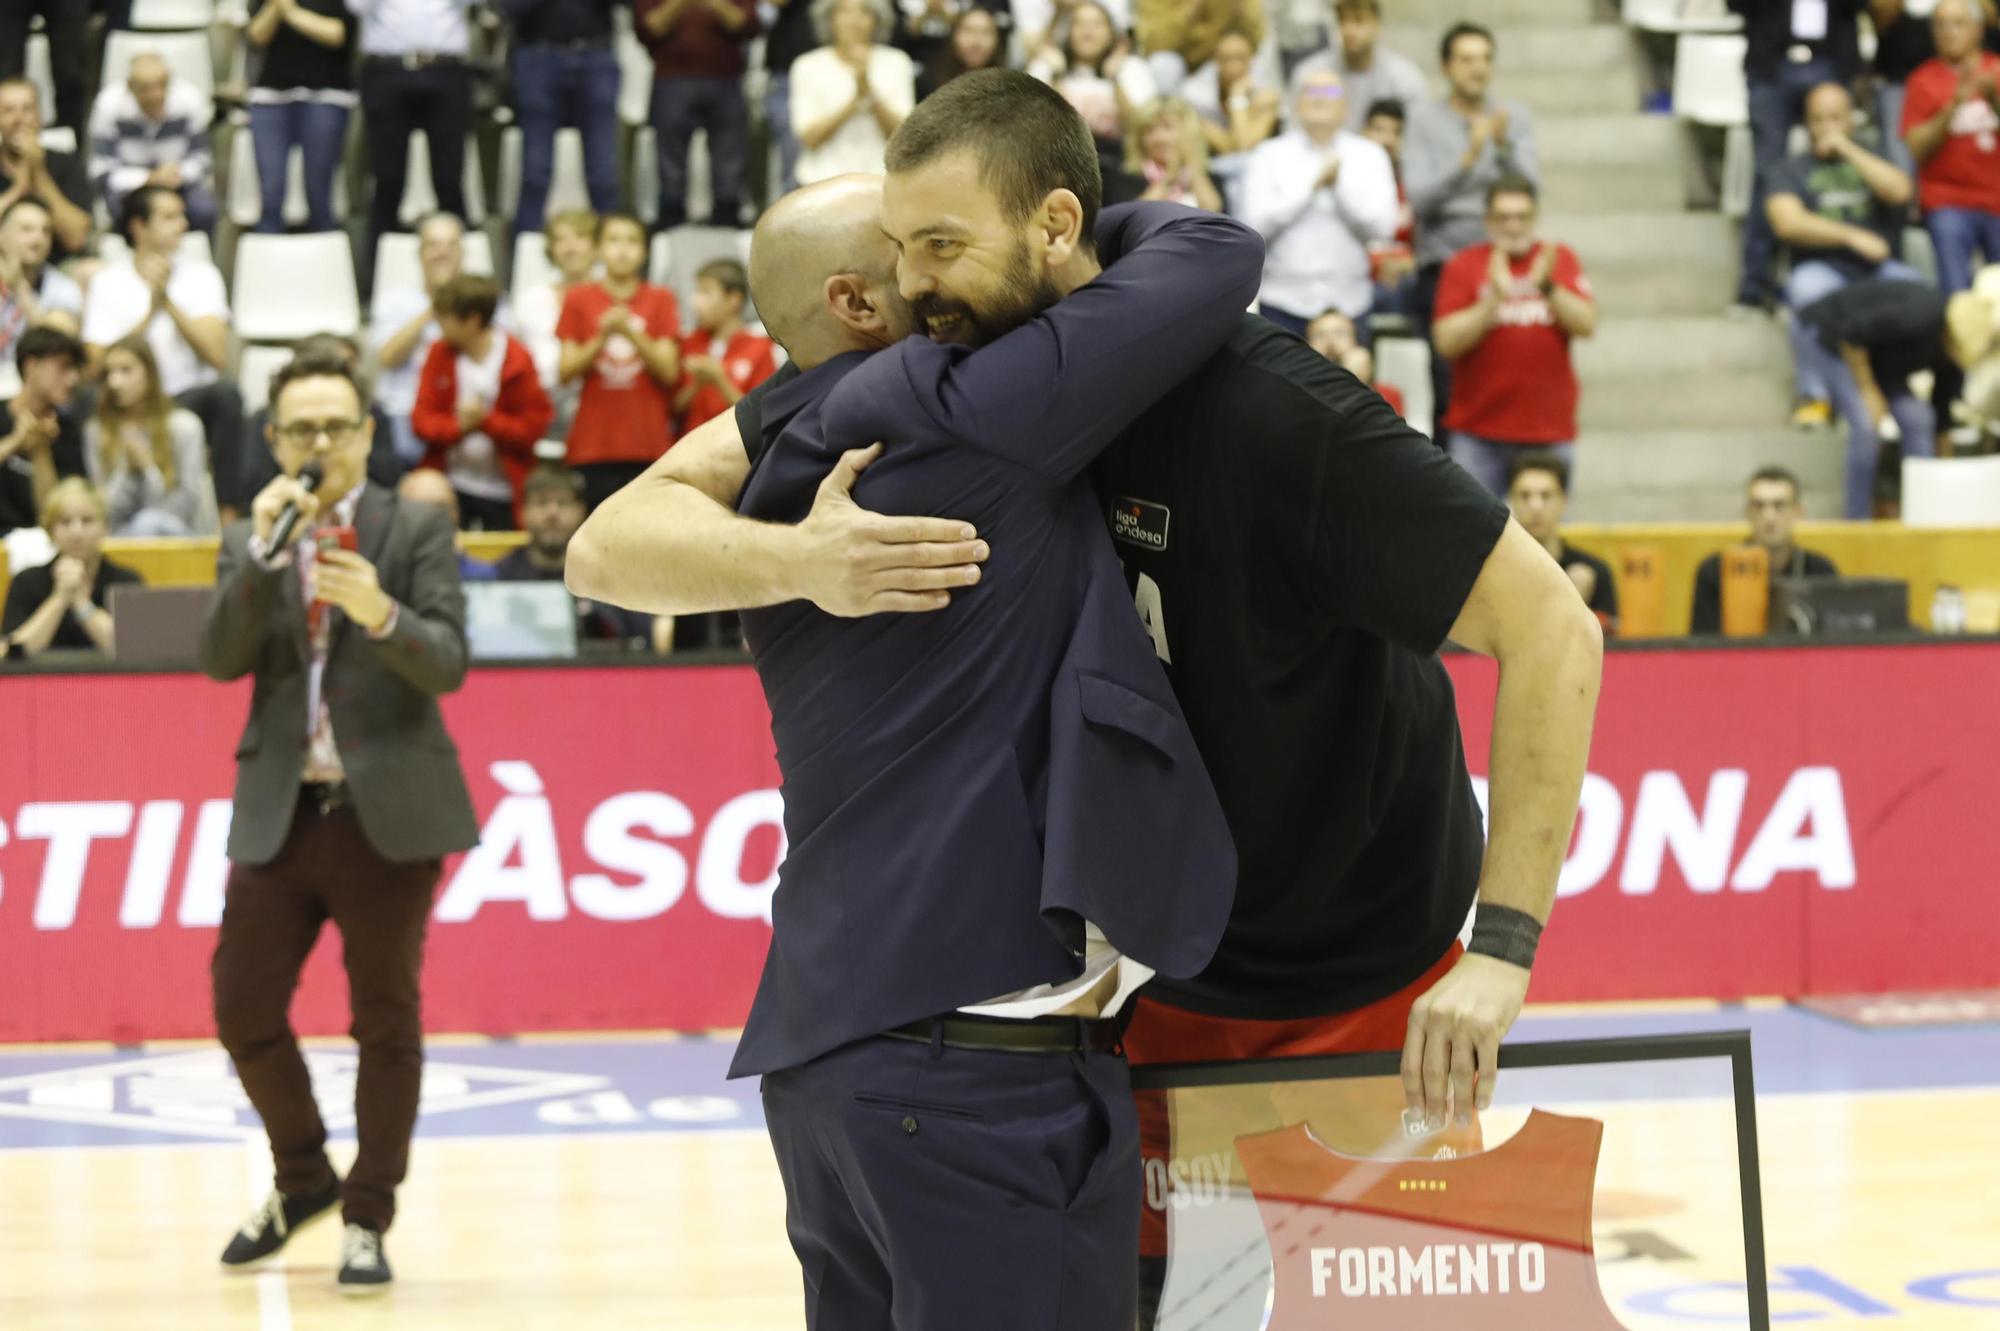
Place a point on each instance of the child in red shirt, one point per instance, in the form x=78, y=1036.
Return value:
x=481, y=407
x=712, y=382
x=621, y=337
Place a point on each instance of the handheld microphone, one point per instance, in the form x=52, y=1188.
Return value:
x=309, y=478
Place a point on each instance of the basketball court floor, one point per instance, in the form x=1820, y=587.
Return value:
x=620, y=1182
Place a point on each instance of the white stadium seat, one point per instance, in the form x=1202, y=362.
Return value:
x=397, y=264
x=635, y=71
x=1681, y=16
x=289, y=286
x=568, y=186
x=158, y=15
x=187, y=54
x=1405, y=363
x=1951, y=492
x=1710, y=89
x=254, y=371
x=532, y=268
x=40, y=74
x=420, y=199
x=246, y=199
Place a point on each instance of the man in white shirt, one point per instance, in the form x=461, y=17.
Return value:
x=178, y=304
x=1320, y=195
x=1371, y=73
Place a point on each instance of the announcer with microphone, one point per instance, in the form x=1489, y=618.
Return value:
x=345, y=606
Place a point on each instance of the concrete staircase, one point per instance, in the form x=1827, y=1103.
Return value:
x=1680, y=404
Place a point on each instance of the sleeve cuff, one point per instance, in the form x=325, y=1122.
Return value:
x=389, y=624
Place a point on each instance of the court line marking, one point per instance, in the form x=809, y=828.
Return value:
x=274, y=1294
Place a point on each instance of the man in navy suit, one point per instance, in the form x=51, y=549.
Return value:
x=998, y=823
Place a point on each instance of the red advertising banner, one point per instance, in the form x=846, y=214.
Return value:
x=1755, y=822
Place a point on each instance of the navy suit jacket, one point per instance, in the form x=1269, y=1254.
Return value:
x=964, y=788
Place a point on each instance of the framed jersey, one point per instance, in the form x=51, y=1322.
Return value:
x=1607, y=1189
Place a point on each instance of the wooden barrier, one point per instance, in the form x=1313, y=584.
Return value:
x=1664, y=555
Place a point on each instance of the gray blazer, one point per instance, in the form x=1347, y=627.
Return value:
x=401, y=765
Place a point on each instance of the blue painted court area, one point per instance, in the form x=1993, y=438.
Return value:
x=667, y=1084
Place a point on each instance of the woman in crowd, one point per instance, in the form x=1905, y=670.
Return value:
x=61, y=603
x=849, y=96
x=1095, y=70
x=147, y=454
x=1166, y=157
x=1237, y=112
x=304, y=96
x=976, y=43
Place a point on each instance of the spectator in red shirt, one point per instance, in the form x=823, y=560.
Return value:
x=1334, y=336
x=1506, y=312
x=721, y=359
x=620, y=336
x=1951, y=121
x=481, y=407
x=699, y=55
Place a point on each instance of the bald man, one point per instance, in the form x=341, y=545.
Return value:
x=997, y=823
x=153, y=130
x=1839, y=207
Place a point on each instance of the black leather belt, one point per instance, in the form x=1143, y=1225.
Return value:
x=414, y=60
x=1035, y=1035
x=327, y=795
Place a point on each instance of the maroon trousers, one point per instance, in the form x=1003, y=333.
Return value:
x=271, y=918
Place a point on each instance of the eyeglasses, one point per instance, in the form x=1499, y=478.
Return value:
x=304, y=434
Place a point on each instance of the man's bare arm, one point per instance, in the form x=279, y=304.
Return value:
x=671, y=542
x=1524, y=613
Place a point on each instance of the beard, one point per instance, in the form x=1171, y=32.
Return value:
x=1023, y=293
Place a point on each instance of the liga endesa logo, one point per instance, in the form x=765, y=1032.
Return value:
x=1806, y=831
x=643, y=849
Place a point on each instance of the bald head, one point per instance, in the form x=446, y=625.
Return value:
x=428, y=486
x=1829, y=117
x=1957, y=27
x=148, y=82
x=823, y=274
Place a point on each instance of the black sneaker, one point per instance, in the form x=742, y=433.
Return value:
x=363, y=1267
x=272, y=1225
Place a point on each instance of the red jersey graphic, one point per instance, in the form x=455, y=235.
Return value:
x=1377, y=1245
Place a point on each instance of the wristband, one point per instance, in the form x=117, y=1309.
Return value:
x=1505, y=934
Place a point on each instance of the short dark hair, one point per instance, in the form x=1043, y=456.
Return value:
x=1386, y=106
x=327, y=344
x=1458, y=30
x=468, y=296
x=727, y=274
x=1540, y=461
x=605, y=219
x=1512, y=183
x=138, y=206
x=43, y=342
x=553, y=477
x=1358, y=7
x=1776, y=473
x=315, y=365
x=1028, y=138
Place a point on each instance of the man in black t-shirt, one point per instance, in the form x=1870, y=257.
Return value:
x=1774, y=509
x=1876, y=334
x=552, y=509
x=38, y=444
x=1538, y=496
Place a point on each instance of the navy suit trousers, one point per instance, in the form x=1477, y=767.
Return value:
x=938, y=1189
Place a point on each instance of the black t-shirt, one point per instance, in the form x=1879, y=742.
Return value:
x=1708, y=585
x=17, y=474
x=1299, y=553
x=32, y=586
x=791, y=36
x=750, y=410
x=564, y=21
x=1837, y=191
x=67, y=170
x=595, y=621
x=294, y=60
x=1899, y=324
x=1603, y=600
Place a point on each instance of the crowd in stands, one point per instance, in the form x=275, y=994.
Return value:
x=1383, y=206
x=1836, y=192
